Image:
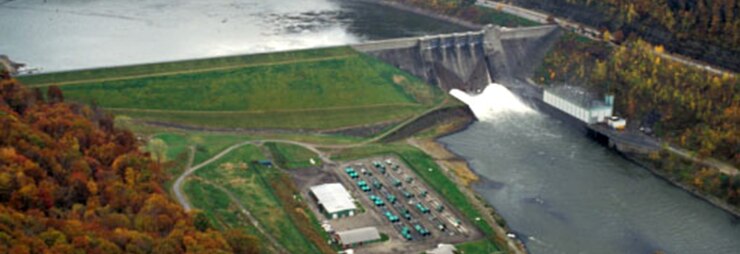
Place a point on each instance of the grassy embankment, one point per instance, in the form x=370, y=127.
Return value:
x=311, y=89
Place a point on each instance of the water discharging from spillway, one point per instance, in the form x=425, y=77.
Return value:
x=495, y=101
x=563, y=193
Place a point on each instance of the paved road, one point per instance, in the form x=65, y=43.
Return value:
x=591, y=32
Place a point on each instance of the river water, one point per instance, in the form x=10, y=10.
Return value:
x=561, y=192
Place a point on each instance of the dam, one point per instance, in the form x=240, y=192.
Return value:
x=467, y=61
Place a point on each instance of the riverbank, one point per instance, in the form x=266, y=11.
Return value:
x=649, y=164
x=426, y=13
x=459, y=170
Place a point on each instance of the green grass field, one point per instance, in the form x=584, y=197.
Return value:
x=310, y=89
x=251, y=186
x=289, y=156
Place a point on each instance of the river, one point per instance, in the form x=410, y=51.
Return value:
x=561, y=192
x=564, y=193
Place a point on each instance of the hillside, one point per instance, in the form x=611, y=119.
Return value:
x=705, y=30
x=70, y=182
x=686, y=107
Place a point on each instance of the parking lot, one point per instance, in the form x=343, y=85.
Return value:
x=400, y=205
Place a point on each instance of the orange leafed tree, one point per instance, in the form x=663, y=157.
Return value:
x=72, y=182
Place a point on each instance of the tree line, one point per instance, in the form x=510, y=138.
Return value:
x=708, y=30
x=692, y=108
x=71, y=182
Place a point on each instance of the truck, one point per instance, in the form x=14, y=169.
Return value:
x=422, y=208
x=422, y=231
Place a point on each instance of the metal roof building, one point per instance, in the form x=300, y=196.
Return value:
x=334, y=200
x=579, y=103
x=358, y=236
x=443, y=249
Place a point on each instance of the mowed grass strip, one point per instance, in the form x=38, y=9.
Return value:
x=196, y=65
x=319, y=119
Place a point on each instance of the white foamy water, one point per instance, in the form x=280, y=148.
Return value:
x=495, y=101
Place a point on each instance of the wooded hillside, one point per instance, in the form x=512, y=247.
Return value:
x=708, y=30
x=70, y=182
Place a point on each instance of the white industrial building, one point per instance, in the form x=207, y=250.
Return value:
x=579, y=103
x=360, y=236
x=334, y=200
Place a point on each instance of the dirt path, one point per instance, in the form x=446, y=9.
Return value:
x=725, y=168
x=230, y=67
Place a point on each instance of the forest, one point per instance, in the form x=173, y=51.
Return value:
x=691, y=108
x=71, y=182
x=707, y=30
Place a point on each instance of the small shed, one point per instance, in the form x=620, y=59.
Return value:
x=356, y=237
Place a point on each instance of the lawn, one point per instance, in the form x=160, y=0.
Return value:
x=289, y=156
x=309, y=89
x=481, y=246
x=252, y=185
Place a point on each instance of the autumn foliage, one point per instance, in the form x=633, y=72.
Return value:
x=70, y=182
x=692, y=108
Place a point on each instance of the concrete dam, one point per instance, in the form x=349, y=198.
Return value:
x=468, y=61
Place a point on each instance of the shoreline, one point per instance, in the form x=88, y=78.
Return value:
x=426, y=13
x=714, y=201
x=459, y=170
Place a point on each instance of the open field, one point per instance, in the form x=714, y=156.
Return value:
x=289, y=156
x=311, y=89
x=251, y=185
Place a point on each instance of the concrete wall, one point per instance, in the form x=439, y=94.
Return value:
x=467, y=61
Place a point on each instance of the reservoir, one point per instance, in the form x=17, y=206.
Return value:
x=558, y=190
